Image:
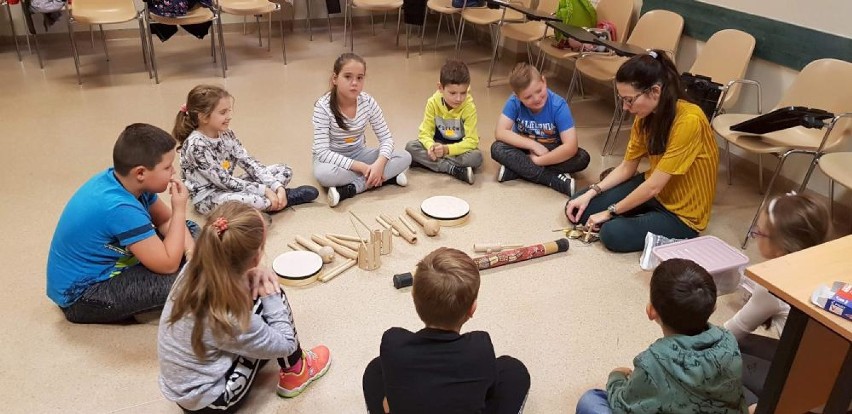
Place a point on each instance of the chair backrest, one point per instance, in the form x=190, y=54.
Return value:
x=824, y=84
x=725, y=57
x=658, y=29
x=619, y=13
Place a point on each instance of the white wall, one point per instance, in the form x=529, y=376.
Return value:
x=830, y=16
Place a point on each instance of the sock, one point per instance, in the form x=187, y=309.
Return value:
x=295, y=368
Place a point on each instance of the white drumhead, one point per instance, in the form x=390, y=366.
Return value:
x=445, y=207
x=297, y=264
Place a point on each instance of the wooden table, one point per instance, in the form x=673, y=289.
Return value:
x=813, y=363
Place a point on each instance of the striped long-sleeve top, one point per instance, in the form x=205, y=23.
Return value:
x=333, y=144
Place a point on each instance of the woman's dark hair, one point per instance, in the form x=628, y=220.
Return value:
x=643, y=72
x=341, y=61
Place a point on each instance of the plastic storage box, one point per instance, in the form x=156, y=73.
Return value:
x=724, y=262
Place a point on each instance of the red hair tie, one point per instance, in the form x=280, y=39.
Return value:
x=220, y=224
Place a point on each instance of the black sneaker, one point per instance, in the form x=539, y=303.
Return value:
x=338, y=194
x=505, y=174
x=462, y=173
x=301, y=195
x=564, y=184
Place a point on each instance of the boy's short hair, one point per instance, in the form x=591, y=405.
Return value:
x=684, y=295
x=446, y=283
x=454, y=72
x=522, y=76
x=140, y=144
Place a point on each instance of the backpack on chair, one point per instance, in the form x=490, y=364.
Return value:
x=579, y=13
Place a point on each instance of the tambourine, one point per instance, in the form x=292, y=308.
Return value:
x=297, y=268
x=447, y=210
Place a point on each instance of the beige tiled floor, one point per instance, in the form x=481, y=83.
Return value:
x=570, y=317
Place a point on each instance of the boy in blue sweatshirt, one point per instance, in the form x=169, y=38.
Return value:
x=695, y=367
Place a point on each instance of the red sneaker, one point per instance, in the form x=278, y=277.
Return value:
x=314, y=364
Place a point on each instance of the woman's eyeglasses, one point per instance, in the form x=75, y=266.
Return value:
x=630, y=100
x=755, y=233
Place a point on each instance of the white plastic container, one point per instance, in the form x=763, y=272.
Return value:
x=724, y=262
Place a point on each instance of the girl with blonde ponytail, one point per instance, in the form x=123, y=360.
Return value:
x=226, y=316
x=674, y=196
x=210, y=152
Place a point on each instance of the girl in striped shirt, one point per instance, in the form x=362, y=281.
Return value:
x=342, y=160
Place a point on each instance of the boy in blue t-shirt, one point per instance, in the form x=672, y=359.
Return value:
x=535, y=137
x=107, y=261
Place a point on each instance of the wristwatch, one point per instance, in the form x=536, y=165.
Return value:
x=612, y=210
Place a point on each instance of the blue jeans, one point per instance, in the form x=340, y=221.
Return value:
x=593, y=402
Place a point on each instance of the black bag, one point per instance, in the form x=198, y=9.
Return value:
x=702, y=91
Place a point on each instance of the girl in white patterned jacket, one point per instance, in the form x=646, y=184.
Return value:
x=209, y=153
x=342, y=161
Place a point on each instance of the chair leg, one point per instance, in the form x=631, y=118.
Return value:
x=775, y=174
x=493, y=58
x=38, y=51
x=372, y=24
x=575, y=75
x=269, y=32
x=144, y=43
x=222, y=46
x=831, y=200
x=423, y=29
x=103, y=40
x=14, y=35
x=92, y=35
x=621, y=115
x=810, y=172
x=407, y=37
x=728, y=158
x=152, y=57
x=308, y=21
x=259, y=34
x=283, y=44
x=459, y=37
x=399, y=26
x=328, y=20
x=74, y=50
x=438, y=32
x=213, y=43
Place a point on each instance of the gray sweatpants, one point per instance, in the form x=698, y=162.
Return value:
x=420, y=155
x=331, y=175
x=282, y=174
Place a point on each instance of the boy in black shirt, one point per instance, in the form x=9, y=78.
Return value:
x=436, y=369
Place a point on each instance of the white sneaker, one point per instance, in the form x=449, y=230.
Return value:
x=401, y=179
x=572, y=183
x=333, y=197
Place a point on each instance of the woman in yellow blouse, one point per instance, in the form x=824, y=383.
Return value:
x=673, y=198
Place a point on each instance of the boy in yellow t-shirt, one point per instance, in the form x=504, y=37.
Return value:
x=448, y=141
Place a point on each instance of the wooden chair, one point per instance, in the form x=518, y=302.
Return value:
x=257, y=8
x=493, y=18
x=822, y=84
x=196, y=15
x=101, y=12
x=371, y=6
x=442, y=8
x=527, y=32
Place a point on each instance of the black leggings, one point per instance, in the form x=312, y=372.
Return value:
x=135, y=290
x=626, y=233
x=508, y=396
x=240, y=376
x=758, y=352
x=519, y=162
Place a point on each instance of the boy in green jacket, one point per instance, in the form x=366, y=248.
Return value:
x=695, y=367
x=448, y=141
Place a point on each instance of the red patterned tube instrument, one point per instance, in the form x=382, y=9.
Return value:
x=498, y=259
